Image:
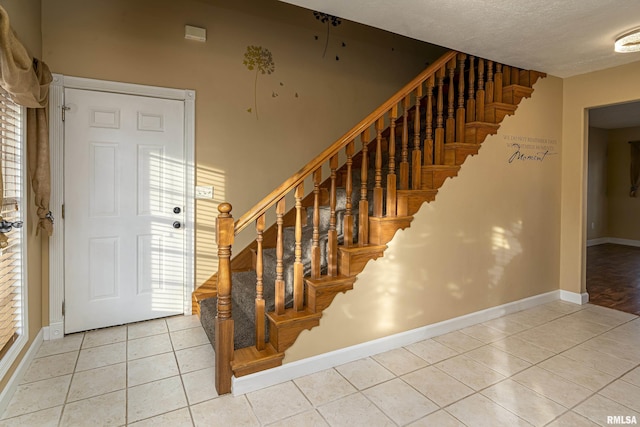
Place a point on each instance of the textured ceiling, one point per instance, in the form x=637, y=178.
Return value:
x=560, y=37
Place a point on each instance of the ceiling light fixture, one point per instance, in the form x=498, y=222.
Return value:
x=629, y=42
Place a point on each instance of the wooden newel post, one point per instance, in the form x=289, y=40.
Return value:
x=224, y=322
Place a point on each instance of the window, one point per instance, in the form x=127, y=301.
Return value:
x=13, y=333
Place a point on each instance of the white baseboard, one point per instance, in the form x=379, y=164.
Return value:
x=599, y=241
x=324, y=361
x=16, y=378
x=614, y=240
x=580, y=299
x=54, y=331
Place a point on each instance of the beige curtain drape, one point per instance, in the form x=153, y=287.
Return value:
x=635, y=167
x=27, y=81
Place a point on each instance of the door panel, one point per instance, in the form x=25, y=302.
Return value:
x=124, y=175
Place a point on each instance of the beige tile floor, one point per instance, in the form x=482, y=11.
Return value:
x=557, y=364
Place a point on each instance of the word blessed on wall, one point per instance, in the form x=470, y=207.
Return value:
x=529, y=149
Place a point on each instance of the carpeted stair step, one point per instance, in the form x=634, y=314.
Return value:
x=243, y=325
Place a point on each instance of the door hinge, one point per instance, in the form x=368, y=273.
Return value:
x=62, y=211
x=64, y=109
x=63, y=308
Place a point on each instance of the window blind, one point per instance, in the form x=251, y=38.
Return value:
x=11, y=256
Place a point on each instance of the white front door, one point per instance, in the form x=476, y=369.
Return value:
x=124, y=201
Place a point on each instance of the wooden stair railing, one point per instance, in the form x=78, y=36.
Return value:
x=440, y=117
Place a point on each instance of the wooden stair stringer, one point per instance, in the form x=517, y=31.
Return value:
x=208, y=289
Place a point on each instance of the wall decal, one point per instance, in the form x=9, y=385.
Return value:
x=529, y=149
x=330, y=20
x=259, y=59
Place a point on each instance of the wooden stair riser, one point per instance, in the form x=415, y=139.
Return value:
x=434, y=176
x=455, y=154
x=410, y=201
x=495, y=112
x=477, y=132
x=320, y=292
x=285, y=328
x=529, y=77
x=352, y=260
x=513, y=94
x=382, y=230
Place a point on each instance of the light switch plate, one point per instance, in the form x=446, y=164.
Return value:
x=204, y=192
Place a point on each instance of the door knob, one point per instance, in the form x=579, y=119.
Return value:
x=176, y=210
x=176, y=224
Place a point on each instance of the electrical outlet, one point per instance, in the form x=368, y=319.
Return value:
x=204, y=192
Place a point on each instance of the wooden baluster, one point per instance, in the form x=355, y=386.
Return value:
x=298, y=267
x=416, y=156
x=489, y=86
x=480, y=92
x=279, y=285
x=363, y=207
x=223, y=325
x=348, y=214
x=451, y=121
x=506, y=76
x=332, y=243
x=428, y=142
x=260, y=224
x=471, y=98
x=391, y=176
x=497, y=84
x=515, y=75
x=460, y=113
x=315, y=245
x=404, y=152
x=439, y=119
x=377, y=187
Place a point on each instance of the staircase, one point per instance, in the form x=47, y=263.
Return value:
x=257, y=304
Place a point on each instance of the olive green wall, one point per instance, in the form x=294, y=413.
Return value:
x=304, y=105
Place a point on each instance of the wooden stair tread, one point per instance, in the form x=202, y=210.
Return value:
x=291, y=316
x=249, y=360
x=329, y=281
x=426, y=193
x=452, y=168
x=451, y=145
x=362, y=249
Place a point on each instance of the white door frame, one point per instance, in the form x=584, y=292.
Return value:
x=56, y=140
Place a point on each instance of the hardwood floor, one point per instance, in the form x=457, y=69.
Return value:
x=613, y=277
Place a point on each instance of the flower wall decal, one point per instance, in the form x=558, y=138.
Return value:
x=330, y=20
x=259, y=59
